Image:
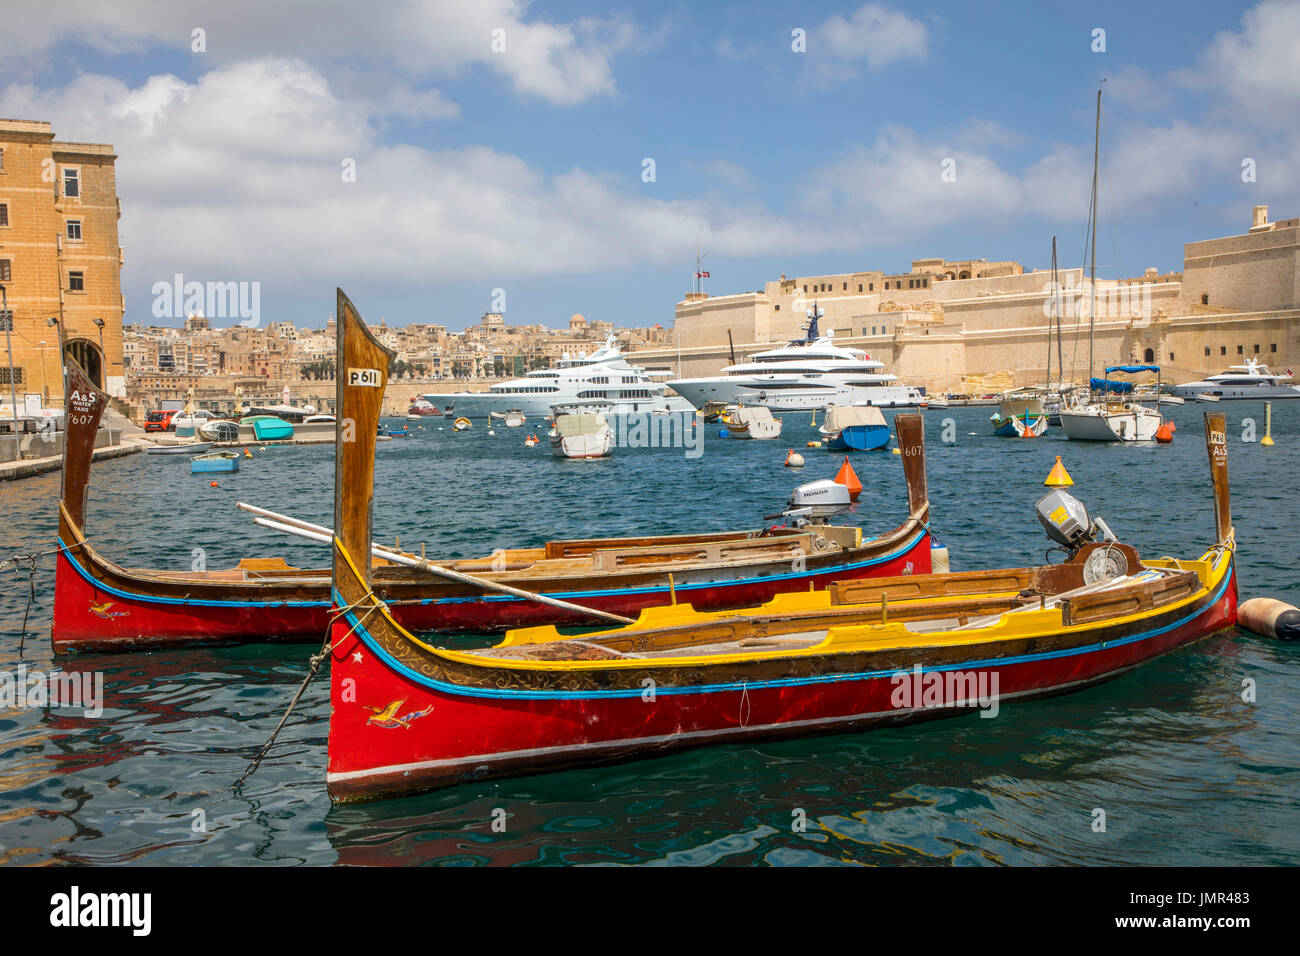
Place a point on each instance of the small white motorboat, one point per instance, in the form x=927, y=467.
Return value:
x=515, y=418
x=581, y=435
x=180, y=448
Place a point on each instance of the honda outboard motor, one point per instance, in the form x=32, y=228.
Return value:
x=814, y=502
x=1067, y=522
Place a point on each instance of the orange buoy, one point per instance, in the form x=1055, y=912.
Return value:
x=849, y=479
x=1165, y=433
x=212, y=484
x=1059, y=477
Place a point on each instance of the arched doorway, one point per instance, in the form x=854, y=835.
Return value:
x=87, y=355
x=1149, y=356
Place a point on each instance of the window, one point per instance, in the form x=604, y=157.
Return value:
x=846, y=287
x=4, y=214
x=1239, y=350
x=74, y=229
x=805, y=288
x=859, y=286
x=1256, y=349
x=1223, y=350
x=1273, y=347
x=71, y=182
x=1171, y=356
x=4, y=376
x=2, y=159
x=1207, y=351
x=873, y=330
x=76, y=282
x=1205, y=298
x=6, y=272
x=871, y=287
x=7, y=320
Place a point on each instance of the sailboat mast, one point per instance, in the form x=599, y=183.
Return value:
x=1092, y=310
x=1056, y=314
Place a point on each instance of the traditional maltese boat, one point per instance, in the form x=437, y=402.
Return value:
x=408, y=715
x=102, y=606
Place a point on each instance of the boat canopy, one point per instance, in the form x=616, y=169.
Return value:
x=840, y=417
x=1106, y=385
x=1133, y=369
x=583, y=423
x=751, y=414
x=1016, y=406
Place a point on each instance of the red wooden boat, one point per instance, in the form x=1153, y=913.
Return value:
x=407, y=715
x=102, y=606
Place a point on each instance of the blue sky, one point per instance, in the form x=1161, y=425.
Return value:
x=522, y=169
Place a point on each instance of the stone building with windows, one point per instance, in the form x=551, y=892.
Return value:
x=60, y=263
x=950, y=326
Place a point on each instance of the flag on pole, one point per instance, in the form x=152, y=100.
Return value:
x=701, y=275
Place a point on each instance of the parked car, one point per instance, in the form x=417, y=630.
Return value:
x=159, y=421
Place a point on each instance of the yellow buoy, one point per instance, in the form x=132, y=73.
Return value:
x=1268, y=424
x=1059, y=477
x=895, y=451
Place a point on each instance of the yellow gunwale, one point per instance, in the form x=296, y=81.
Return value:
x=1211, y=568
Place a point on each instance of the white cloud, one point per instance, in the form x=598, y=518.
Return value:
x=874, y=34
x=562, y=63
x=1259, y=66
x=238, y=176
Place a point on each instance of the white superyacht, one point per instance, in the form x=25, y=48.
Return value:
x=1251, y=380
x=804, y=375
x=603, y=376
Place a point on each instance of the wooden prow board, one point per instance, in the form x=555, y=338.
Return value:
x=910, y=429
x=1216, y=443
x=83, y=408
x=363, y=364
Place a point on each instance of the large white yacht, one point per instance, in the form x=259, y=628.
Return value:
x=603, y=376
x=1251, y=380
x=804, y=375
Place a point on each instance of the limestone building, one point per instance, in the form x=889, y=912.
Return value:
x=60, y=262
x=955, y=326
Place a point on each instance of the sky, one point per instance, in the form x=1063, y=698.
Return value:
x=437, y=159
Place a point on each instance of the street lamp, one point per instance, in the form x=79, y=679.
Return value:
x=45, y=382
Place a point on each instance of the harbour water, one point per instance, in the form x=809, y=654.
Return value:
x=1186, y=771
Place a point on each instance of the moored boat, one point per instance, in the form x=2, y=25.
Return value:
x=179, y=448
x=268, y=427
x=580, y=434
x=752, y=421
x=460, y=424
x=1019, y=416
x=217, y=462
x=102, y=606
x=854, y=428
x=407, y=715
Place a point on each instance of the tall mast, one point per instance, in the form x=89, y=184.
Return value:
x=1092, y=310
x=1056, y=314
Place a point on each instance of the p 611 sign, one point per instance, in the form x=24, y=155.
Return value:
x=368, y=377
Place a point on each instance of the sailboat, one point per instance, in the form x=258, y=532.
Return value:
x=1107, y=418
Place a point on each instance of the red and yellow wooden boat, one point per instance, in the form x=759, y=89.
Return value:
x=407, y=715
x=102, y=606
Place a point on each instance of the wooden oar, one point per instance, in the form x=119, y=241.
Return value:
x=323, y=535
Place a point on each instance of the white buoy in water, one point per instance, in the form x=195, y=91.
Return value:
x=1270, y=617
x=491, y=432
x=793, y=459
x=939, y=560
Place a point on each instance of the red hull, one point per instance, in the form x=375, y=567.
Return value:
x=94, y=617
x=444, y=734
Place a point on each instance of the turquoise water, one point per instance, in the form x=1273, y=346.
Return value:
x=1186, y=772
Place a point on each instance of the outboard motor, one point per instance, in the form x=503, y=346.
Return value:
x=814, y=502
x=1067, y=522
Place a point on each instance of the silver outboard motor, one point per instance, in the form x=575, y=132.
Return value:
x=1067, y=522
x=814, y=502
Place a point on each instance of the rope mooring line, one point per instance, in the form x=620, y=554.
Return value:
x=314, y=663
